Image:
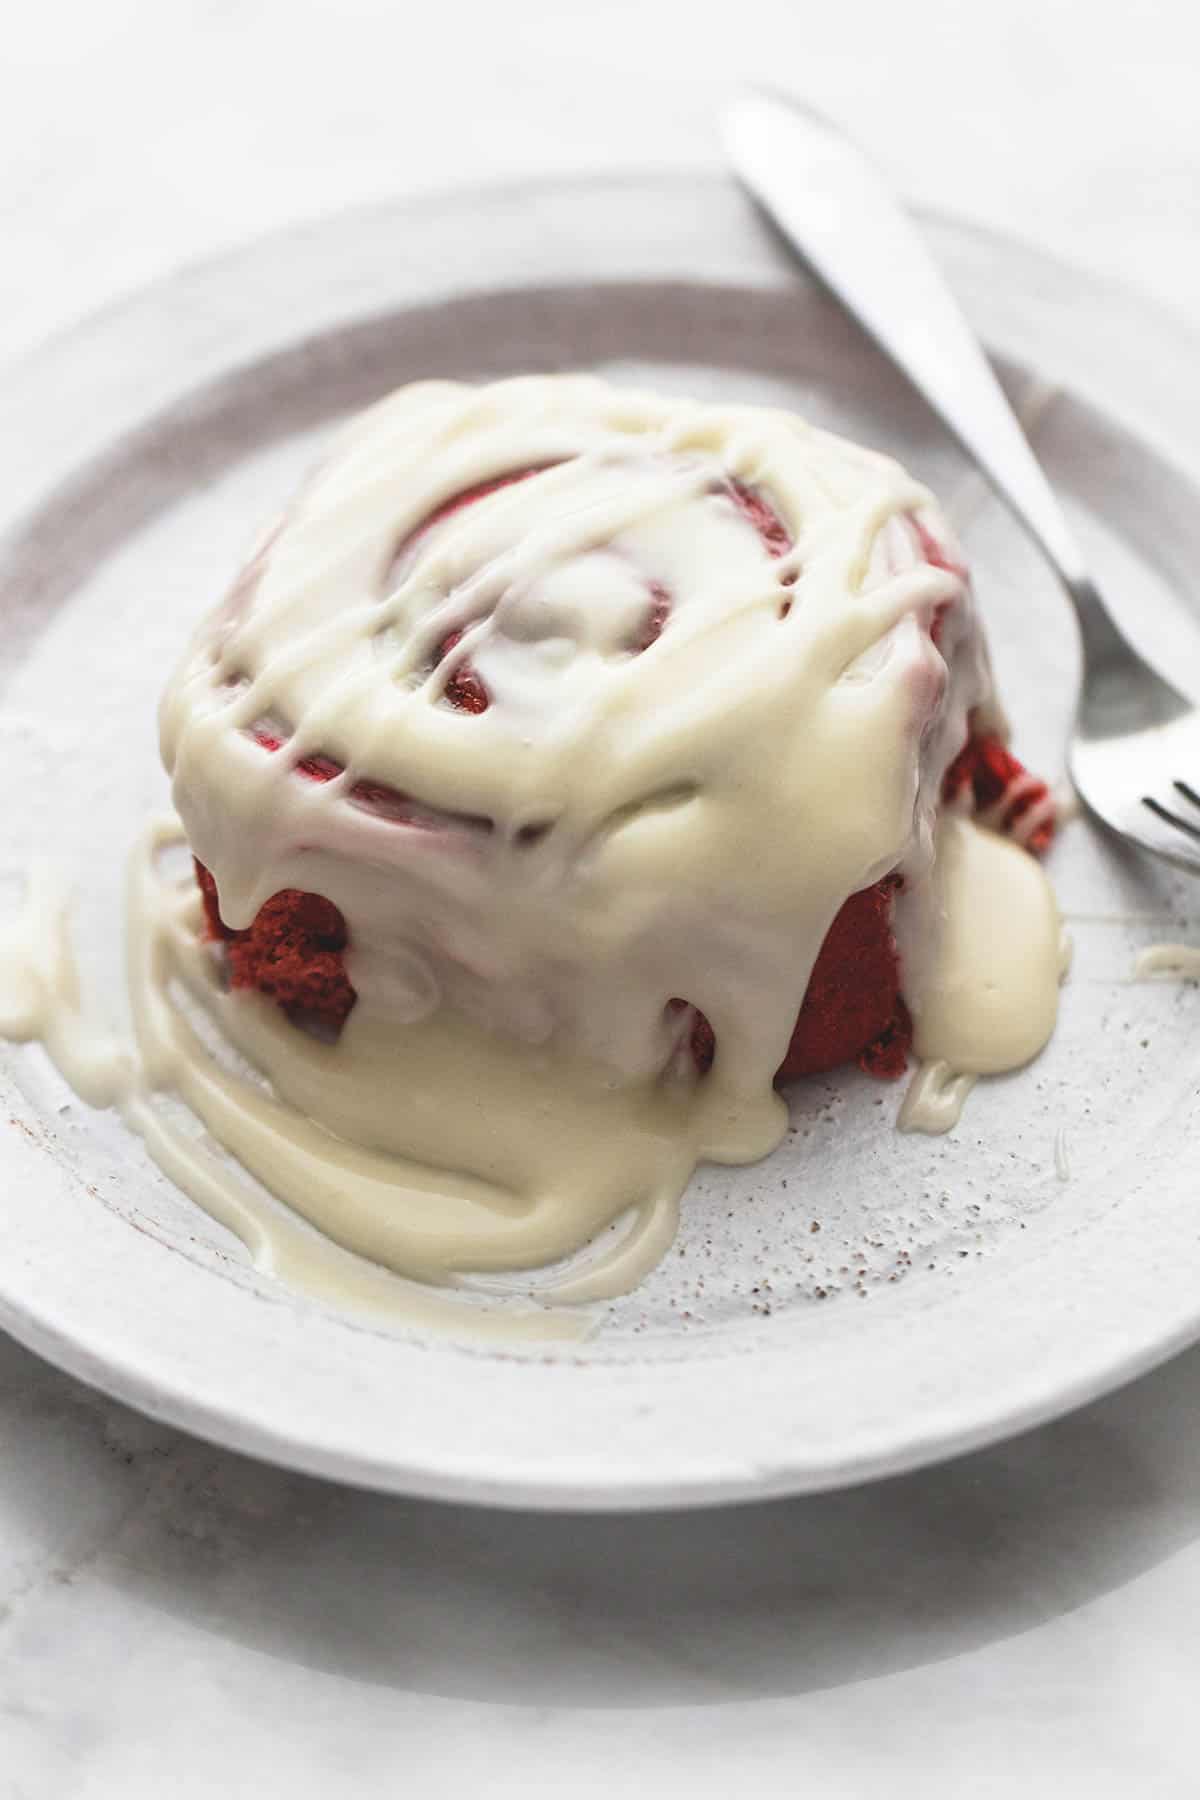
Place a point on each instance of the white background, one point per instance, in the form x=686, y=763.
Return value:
x=135, y=134
x=176, y=1621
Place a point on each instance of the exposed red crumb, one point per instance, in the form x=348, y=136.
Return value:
x=314, y=768
x=319, y=768
x=467, y=497
x=852, y=1010
x=656, y=618
x=464, y=688
x=887, y=1057
x=989, y=770
x=759, y=512
x=292, y=953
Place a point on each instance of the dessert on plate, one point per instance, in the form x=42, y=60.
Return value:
x=568, y=766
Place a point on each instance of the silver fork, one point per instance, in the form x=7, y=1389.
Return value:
x=1134, y=753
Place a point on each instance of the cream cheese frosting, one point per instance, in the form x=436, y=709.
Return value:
x=697, y=744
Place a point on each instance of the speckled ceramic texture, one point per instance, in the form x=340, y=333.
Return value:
x=862, y=1301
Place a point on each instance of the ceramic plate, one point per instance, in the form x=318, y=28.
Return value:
x=863, y=1301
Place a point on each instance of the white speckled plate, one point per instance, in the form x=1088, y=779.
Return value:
x=863, y=1301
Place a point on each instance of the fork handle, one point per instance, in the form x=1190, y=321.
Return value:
x=839, y=214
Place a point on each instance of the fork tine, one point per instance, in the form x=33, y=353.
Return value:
x=1171, y=818
x=1189, y=793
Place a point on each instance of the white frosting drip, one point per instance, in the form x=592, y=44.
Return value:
x=935, y=1098
x=40, y=995
x=1181, y=961
x=992, y=999
x=41, y=999
x=986, y=999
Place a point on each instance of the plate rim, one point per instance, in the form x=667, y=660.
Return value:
x=464, y=1480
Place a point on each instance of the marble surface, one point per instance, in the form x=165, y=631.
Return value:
x=176, y=1620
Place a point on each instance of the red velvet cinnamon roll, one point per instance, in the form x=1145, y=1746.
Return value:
x=602, y=758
